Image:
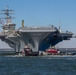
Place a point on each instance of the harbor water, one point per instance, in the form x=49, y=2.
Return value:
x=37, y=65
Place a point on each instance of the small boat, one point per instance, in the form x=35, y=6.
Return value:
x=52, y=51
x=28, y=52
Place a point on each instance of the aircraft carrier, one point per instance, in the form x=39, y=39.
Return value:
x=35, y=38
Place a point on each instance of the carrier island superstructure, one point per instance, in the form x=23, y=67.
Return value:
x=36, y=38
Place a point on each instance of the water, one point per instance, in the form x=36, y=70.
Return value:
x=37, y=65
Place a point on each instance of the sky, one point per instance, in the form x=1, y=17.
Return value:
x=43, y=13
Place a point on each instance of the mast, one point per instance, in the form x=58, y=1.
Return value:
x=8, y=26
x=7, y=14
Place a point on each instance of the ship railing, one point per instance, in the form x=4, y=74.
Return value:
x=39, y=28
x=67, y=32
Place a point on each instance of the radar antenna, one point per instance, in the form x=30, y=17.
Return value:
x=7, y=12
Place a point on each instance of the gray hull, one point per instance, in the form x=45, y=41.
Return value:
x=36, y=39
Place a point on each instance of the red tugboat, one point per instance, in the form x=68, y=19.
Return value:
x=28, y=52
x=52, y=51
